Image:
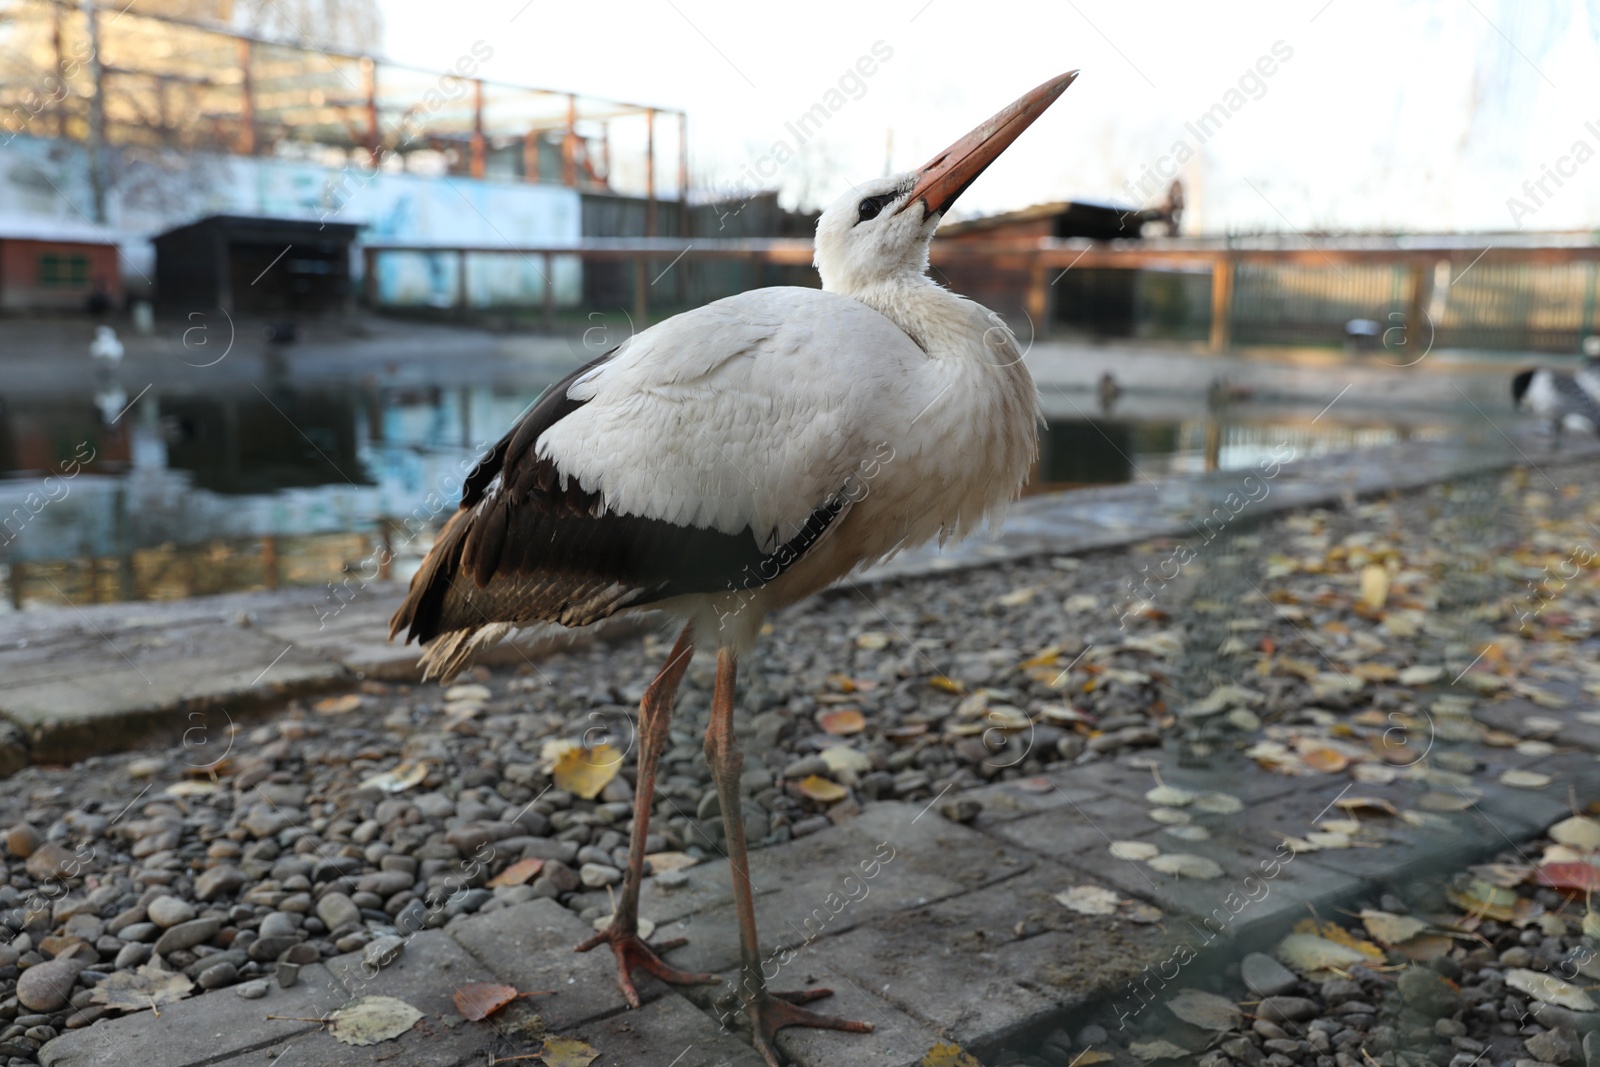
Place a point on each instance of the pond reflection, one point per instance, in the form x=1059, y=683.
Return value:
x=164, y=495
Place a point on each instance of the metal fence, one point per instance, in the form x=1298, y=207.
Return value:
x=1493, y=292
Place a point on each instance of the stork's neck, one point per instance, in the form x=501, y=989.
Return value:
x=940, y=322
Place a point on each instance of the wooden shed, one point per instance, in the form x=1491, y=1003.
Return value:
x=39, y=272
x=255, y=267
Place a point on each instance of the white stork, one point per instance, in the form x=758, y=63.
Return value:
x=733, y=460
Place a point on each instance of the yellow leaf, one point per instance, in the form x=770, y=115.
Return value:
x=842, y=722
x=567, y=1052
x=946, y=1054
x=583, y=772
x=1332, y=931
x=1374, y=586
x=518, y=873
x=948, y=685
x=399, y=779
x=1042, y=658
x=337, y=705
x=872, y=640
x=818, y=788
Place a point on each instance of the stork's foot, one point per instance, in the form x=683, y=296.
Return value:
x=771, y=1012
x=633, y=954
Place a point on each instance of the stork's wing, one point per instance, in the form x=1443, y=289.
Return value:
x=1578, y=399
x=706, y=454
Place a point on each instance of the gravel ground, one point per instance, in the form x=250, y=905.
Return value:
x=241, y=849
x=1493, y=971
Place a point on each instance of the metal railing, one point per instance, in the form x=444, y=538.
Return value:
x=1496, y=291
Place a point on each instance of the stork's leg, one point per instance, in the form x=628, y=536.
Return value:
x=769, y=1012
x=655, y=713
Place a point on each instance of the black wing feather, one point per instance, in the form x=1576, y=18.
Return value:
x=538, y=547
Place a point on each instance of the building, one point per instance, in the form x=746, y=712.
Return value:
x=254, y=267
x=46, y=269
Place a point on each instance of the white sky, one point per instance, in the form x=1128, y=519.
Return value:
x=1391, y=114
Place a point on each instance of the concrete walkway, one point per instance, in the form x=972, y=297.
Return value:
x=954, y=936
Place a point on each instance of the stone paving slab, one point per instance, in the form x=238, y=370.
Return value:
x=200, y=1030
x=892, y=857
x=962, y=969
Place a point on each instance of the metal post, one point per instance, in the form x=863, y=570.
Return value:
x=477, y=164
x=369, y=276
x=247, y=104
x=1221, y=304
x=650, y=173
x=97, y=115
x=569, y=144
x=369, y=89
x=549, y=288
x=1416, y=330
x=641, y=300
x=1038, y=296
x=461, y=283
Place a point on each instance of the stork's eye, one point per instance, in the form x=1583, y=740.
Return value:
x=871, y=206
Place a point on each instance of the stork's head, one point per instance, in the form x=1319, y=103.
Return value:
x=881, y=228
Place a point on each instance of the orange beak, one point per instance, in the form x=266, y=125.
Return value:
x=947, y=175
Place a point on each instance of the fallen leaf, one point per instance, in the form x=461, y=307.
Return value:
x=1425, y=947
x=479, y=1000
x=1089, y=900
x=815, y=787
x=1550, y=989
x=645, y=927
x=842, y=759
x=570, y=1052
x=948, y=685
x=1169, y=796
x=1134, y=850
x=337, y=705
x=1187, y=865
x=1326, y=760
x=1577, y=877
x=1170, y=816
x=1421, y=675
x=1218, y=803
x=1142, y=913
x=140, y=988
x=519, y=873
x=191, y=789
x=1157, y=1049
x=1374, y=586
x=1353, y=804
x=467, y=691
x=670, y=861
x=583, y=771
x=946, y=1054
x=1578, y=831
x=1484, y=900
x=1188, y=833
x=370, y=1020
x=1438, y=800
x=1313, y=956
x=1091, y=1057
x=1591, y=924
x=398, y=779
x=1521, y=779
x=1205, y=1010
x=1391, y=929
x=872, y=640
x=842, y=722
x=1332, y=931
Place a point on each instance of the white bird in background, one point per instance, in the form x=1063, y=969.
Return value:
x=737, y=458
x=106, y=348
x=1566, y=401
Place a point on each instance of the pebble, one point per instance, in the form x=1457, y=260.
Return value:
x=254, y=989
x=187, y=935
x=218, y=975
x=217, y=882
x=337, y=910
x=279, y=924
x=22, y=839
x=1266, y=975
x=46, y=987
x=383, y=950
x=168, y=911
x=598, y=875
x=1286, y=1009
